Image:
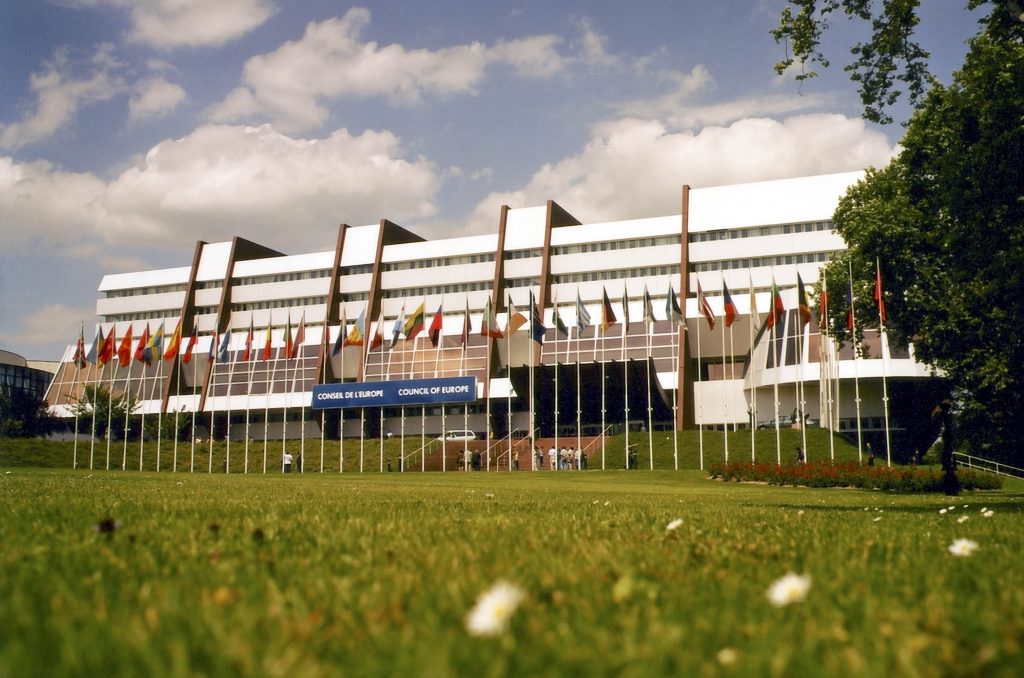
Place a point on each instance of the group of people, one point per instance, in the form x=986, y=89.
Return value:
x=564, y=459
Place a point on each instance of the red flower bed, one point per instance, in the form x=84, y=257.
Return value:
x=820, y=474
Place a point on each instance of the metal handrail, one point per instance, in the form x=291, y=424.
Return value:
x=990, y=465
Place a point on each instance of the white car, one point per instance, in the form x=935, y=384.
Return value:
x=458, y=435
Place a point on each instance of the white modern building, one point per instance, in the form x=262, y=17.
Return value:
x=655, y=374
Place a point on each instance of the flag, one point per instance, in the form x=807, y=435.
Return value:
x=247, y=351
x=729, y=306
x=625, y=311
x=191, y=345
x=141, y=346
x=288, y=336
x=879, y=296
x=776, y=310
x=396, y=329
x=106, y=352
x=436, y=325
x=705, y=307
x=300, y=337
x=607, y=313
x=97, y=345
x=536, y=321
x=79, y=358
x=464, y=340
x=212, y=353
x=823, y=307
x=560, y=326
x=124, y=350
x=356, y=334
x=154, y=346
x=378, y=334
x=489, y=324
x=849, y=313
x=265, y=355
x=174, y=344
x=515, y=319
x=225, y=341
x=672, y=311
x=648, y=310
x=414, y=323
x=801, y=301
x=755, y=317
x=582, y=315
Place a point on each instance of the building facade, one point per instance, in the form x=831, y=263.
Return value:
x=267, y=325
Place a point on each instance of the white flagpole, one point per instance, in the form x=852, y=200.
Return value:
x=195, y=406
x=856, y=367
x=647, y=338
x=301, y=359
x=579, y=399
x=270, y=389
x=676, y=344
x=775, y=364
x=554, y=309
x=508, y=373
x=625, y=367
x=323, y=380
x=423, y=410
x=127, y=409
x=754, y=319
x=250, y=370
x=603, y=382
x=177, y=396
x=110, y=391
x=700, y=402
x=232, y=357
x=533, y=393
x=885, y=358
x=341, y=412
x=92, y=400
x=466, y=332
x=142, y=408
x=725, y=425
x=160, y=403
x=438, y=350
x=79, y=390
x=287, y=389
x=487, y=384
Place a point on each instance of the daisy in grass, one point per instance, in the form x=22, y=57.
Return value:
x=494, y=609
x=674, y=524
x=963, y=547
x=988, y=513
x=792, y=588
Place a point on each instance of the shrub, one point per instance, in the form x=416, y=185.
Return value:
x=851, y=474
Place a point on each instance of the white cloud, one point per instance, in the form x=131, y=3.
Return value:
x=592, y=46
x=49, y=328
x=154, y=97
x=166, y=24
x=43, y=205
x=59, y=93
x=282, y=191
x=633, y=168
x=292, y=84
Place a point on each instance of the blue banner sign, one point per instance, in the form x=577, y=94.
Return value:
x=394, y=393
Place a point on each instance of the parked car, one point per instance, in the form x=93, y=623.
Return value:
x=457, y=435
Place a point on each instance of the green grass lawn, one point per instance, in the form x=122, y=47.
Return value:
x=374, y=574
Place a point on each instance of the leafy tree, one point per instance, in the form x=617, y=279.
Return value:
x=23, y=415
x=98, y=398
x=945, y=219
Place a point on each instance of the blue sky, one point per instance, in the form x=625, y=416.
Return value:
x=129, y=129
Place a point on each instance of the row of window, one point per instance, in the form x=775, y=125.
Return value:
x=282, y=277
x=451, y=288
x=522, y=254
x=633, y=243
x=285, y=303
x=590, y=276
x=440, y=262
x=140, y=291
x=759, y=262
x=753, y=232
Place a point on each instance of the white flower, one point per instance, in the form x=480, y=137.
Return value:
x=727, y=656
x=877, y=519
x=941, y=511
x=987, y=513
x=983, y=509
x=963, y=547
x=792, y=588
x=800, y=512
x=674, y=524
x=494, y=609
x=963, y=519
x=951, y=508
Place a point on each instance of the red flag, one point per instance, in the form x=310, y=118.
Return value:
x=730, y=306
x=705, y=307
x=266, y=346
x=106, y=352
x=465, y=326
x=879, y=296
x=435, y=327
x=777, y=309
x=79, y=358
x=378, y=335
x=174, y=344
x=288, y=337
x=300, y=336
x=247, y=351
x=124, y=350
x=849, y=314
x=191, y=345
x=140, y=349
